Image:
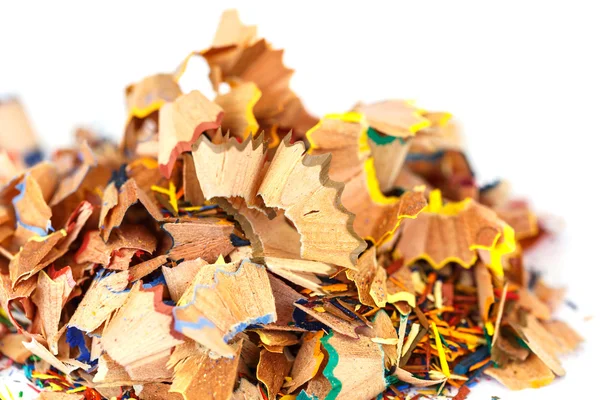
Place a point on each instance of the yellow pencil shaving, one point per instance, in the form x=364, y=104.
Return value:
x=437, y=206
x=252, y=127
x=9, y=392
x=479, y=364
x=461, y=336
x=363, y=143
x=143, y=112
x=379, y=198
x=373, y=311
x=149, y=163
x=439, y=322
x=79, y=389
x=312, y=145
x=99, y=191
x=173, y=197
x=444, y=262
x=274, y=142
x=489, y=328
x=350, y=116
x=159, y=189
x=414, y=128
x=171, y=192
x=373, y=186
x=427, y=391
x=336, y=287
x=441, y=352
x=38, y=238
x=498, y=250
x=193, y=208
x=444, y=119
x=440, y=310
x=43, y=376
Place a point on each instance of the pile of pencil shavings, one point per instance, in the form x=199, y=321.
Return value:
x=241, y=249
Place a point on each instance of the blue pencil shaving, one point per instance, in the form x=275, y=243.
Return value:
x=33, y=157
x=237, y=241
x=159, y=280
x=75, y=339
x=425, y=157
x=300, y=319
x=462, y=368
x=343, y=309
x=477, y=374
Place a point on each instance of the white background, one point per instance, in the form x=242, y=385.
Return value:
x=522, y=78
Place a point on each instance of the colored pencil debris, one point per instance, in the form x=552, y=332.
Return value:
x=239, y=248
